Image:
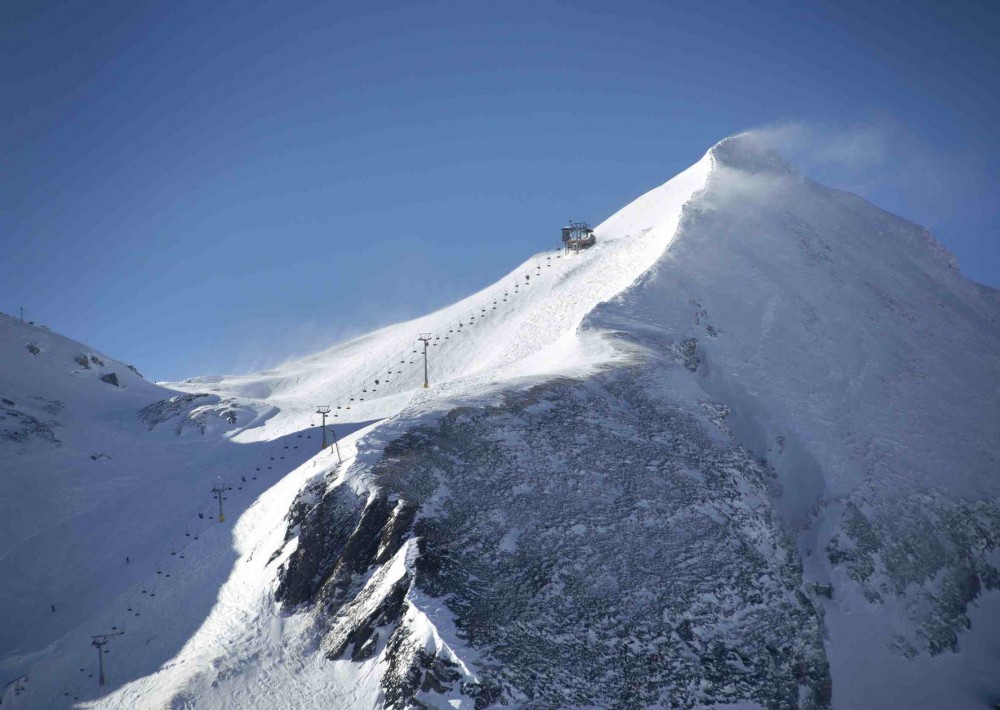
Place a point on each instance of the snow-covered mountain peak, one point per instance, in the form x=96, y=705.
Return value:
x=740, y=452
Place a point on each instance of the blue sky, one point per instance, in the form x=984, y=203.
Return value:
x=208, y=187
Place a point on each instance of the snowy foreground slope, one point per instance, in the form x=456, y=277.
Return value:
x=631, y=469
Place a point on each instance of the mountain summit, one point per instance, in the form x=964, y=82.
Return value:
x=742, y=452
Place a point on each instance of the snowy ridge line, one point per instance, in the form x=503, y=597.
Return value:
x=535, y=334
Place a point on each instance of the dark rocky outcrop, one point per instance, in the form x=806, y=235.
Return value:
x=20, y=427
x=111, y=378
x=339, y=539
x=928, y=545
x=189, y=411
x=643, y=566
x=362, y=634
x=688, y=349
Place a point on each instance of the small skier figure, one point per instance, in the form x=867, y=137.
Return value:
x=127, y=560
x=201, y=516
x=53, y=608
x=243, y=478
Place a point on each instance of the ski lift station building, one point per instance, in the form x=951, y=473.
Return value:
x=578, y=235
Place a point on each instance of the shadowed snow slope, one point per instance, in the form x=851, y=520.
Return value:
x=632, y=469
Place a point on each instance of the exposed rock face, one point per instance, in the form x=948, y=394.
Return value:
x=19, y=426
x=191, y=411
x=935, y=554
x=341, y=538
x=167, y=409
x=642, y=566
x=688, y=349
x=111, y=378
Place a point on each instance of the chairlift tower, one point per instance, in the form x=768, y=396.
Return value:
x=99, y=642
x=425, y=338
x=220, y=490
x=323, y=410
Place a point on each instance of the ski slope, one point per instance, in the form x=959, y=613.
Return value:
x=95, y=500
